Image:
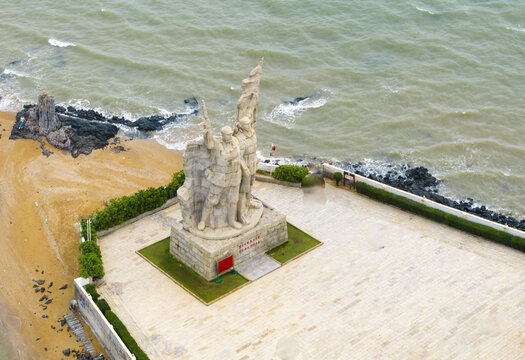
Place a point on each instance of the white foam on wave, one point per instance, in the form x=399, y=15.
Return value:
x=519, y=28
x=425, y=10
x=11, y=103
x=58, y=43
x=285, y=114
x=176, y=135
x=13, y=73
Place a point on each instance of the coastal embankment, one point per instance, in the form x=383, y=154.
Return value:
x=41, y=200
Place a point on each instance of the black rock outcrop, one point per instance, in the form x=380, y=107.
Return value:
x=419, y=181
x=83, y=130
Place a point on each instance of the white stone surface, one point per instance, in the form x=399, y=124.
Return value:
x=257, y=267
x=385, y=285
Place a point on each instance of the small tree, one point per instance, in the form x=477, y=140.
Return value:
x=338, y=177
x=91, y=266
x=90, y=247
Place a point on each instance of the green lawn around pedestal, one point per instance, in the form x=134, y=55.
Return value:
x=207, y=291
x=298, y=243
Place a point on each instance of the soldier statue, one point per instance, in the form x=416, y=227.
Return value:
x=245, y=134
x=224, y=173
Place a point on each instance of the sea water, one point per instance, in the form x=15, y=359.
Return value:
x=433, y=83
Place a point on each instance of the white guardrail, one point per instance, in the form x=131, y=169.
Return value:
x=269, y=168
x=330, y=170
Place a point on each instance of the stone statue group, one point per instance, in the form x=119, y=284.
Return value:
x=220, y=171
x=232, y=170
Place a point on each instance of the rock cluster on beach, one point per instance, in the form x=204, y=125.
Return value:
x=79, y=130
x=46, y=292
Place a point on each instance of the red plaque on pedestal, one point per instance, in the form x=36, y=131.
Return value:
x=225, y=264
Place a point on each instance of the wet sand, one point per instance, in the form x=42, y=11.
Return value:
x=41, y=201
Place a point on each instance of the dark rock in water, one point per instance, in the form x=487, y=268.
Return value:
x=297, y=100
x=39, y=282
x=63, y=287
x=66, y=352
x=154, y=122
x=192, y=103
x=15, y=62
x=82, y=130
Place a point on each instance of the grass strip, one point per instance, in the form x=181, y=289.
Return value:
x=207, y=291
x=471, y=227
x=298, y=243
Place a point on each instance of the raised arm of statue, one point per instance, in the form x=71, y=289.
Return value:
x=209, y=139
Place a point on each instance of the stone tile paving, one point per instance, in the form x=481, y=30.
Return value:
x=385, y=285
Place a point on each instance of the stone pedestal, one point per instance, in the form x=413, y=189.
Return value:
x=202, y=254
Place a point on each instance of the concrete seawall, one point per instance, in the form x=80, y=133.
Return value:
x=99, y=325
x=329, y=170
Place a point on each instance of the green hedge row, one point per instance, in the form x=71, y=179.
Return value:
x=290, y=173
x=90, y=288
x=125, y=336
x=122, y=209
x=90, y=258
x=485, y=231
x=118, y=326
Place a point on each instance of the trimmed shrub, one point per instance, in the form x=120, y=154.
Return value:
x=103, y=305
x=90, y=288
x=312, y=180
x=290, y=173
x=91, y=266
x=90, y=247
x=338, y=177
x=122, y=209
x=485, y=231
x=125, y=336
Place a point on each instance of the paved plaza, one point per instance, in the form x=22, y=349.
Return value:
x=385, y=284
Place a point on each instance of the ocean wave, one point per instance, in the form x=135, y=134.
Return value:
x=9, y=72
x=285, y=114
x=11, y=103
x=519, y=28
x=425, y=10
x=58, y=43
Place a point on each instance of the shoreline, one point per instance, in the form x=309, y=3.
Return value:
x=50, y=194
x=41, y=200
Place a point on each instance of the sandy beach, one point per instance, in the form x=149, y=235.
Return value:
x=41, y=201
